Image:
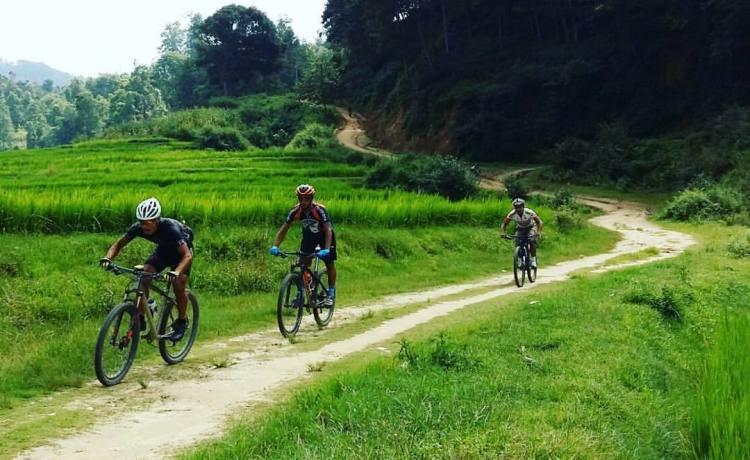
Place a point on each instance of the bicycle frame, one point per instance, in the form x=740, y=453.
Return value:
x=136, y=293
x=301, y=268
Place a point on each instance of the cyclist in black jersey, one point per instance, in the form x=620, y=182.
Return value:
x=174, y=249
x=317, y=230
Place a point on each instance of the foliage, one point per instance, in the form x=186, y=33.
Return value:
x=221, y=139
x=514, y=188
x=445, y=176
x=739, y=247
x=237, y=46
x=721, y=411
x=715, y=203
x=501, y=79
x=313, y=136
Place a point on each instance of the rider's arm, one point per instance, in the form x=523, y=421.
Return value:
x=506, y=221
x=117, y=247
x=187, y=256
x=282, y=234
x=539, y=224
x=329, y=235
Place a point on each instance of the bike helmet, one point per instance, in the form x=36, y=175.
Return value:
x=148, y=209
x=305, y=190
x=519, y=202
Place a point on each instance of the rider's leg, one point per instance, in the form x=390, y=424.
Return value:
x=146, y=286
x=532, y=244
x=180, y=293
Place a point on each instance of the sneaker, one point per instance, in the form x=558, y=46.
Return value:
x=533, y=262
x=178, y=330
x=327, y=302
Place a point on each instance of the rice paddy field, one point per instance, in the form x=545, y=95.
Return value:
x=61, y=208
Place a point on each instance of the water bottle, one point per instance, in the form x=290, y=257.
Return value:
x=152, y=306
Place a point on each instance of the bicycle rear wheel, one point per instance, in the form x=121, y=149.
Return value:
x=519, y=264
x=322, y=313
x=290, y=304
x=175, y=352
x=117, y=344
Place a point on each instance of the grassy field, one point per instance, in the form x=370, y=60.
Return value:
x=620, y=365
x=60, y=209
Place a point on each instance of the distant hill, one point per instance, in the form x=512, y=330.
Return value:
x=34, y=72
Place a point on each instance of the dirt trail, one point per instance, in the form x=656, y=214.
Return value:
x=191, y=410
x=353, y=136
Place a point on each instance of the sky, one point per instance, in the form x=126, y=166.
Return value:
x=90, y=37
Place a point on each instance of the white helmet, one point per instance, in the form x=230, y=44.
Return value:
x=518, y=202
x=148, y=209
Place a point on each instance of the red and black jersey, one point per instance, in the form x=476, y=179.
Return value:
x=311, y=218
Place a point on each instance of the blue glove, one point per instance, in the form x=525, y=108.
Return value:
x=275, y=251
x=323, y=253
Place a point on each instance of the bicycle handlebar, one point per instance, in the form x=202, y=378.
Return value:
x=140, y=274
x=284, y=254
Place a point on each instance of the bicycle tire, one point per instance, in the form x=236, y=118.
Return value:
x=290, y=305
x=519, y=272
x=117, y=345
x=177, y=351
x=531, y=271
x=322, y=314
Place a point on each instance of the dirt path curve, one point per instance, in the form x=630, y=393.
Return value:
x=353, y=136
x=191, y=410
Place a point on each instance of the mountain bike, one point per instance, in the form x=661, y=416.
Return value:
x=522, y=259
x=120, y=333
x=303, y=290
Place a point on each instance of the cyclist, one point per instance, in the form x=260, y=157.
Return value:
x=525, y=220
x=317, y=230
x=174, y=249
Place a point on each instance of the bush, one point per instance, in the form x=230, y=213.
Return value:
x=697, y=204
x=223, y=102
x=563, y=198
x=221, y=139
x=739, y=247
x=445, y=176
x=689, y=205
x=313, y=136
x=567, y=219
x=515, y=188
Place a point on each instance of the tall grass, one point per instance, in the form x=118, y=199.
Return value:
x=721, y=415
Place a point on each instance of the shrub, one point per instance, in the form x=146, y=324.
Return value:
x=689, y=205
x=563, y=198
x=445, y=176
x=313, y=136
x=515, y=188
x=223, y=102
x=739, y=247
x=221, y=139
x=700, y=204
x=567, y=219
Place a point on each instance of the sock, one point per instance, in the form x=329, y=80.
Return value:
x=332, y=292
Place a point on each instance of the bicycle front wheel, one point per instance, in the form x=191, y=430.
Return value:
x=175, y=352
x=321, y=310
x=117, y=344
x=532, y=271
x=290, y=305
x=519, y=266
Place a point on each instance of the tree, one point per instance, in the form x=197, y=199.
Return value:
x=321, y=76
x=139, y=100
x=237, y=47
x=6, y=126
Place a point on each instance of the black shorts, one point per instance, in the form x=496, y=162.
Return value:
x=309, y=243
x=525, y=234
x=163, y=258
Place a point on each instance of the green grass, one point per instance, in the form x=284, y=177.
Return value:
x=721, y=413
x=592, y=369
x=94, y=186
x=53, y=306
